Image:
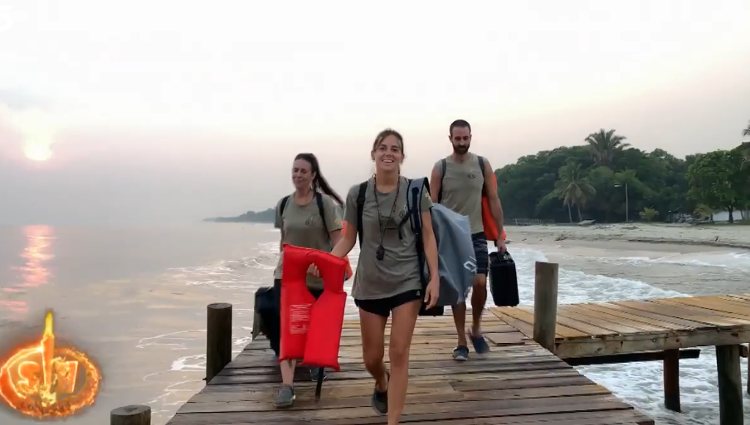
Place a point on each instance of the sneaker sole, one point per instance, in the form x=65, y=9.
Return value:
x=379, y=412
x=288, y=404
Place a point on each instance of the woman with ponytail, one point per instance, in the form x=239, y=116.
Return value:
x=308, y=217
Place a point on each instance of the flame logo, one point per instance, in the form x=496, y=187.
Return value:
x=44, y=381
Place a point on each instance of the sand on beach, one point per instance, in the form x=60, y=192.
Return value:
x=724, y=235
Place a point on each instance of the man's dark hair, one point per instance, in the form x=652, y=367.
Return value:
x=459, y=123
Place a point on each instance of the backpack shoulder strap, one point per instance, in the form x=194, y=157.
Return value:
x=414, y=204
x=443, y=167
x=481, y=169
x=321, y=210
x=284, y=200
x=360, y=207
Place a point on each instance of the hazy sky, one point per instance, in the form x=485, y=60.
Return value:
x=154, y=110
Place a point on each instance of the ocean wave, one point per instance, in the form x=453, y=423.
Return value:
x=729, y=260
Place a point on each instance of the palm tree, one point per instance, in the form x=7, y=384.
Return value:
x=573, y=188
x=604, y=145
x=746, y=132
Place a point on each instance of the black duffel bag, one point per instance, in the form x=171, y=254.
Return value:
x=266, y=316
x=502, y=279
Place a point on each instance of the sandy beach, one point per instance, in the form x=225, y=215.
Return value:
x=693, y=260
x=723, y=235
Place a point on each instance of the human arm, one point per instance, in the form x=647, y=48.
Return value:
x=430, y=250
x=496, y=206
x=278, y=223
x=435, y=183
x=345, y=241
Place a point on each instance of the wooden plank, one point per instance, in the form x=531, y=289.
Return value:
x=508, y=338
x=523, y=314
x=723, y=307
x=634, y=319
x=739, y=297
x=418, y=412
x=600, y=320
x=637, y=343
x=658, y=317
x=682, y=312
x=524, y=327
x=516, y=382
x=365, y=392
x=713, y=317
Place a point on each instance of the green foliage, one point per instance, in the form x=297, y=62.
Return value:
x=648, y=214
x=265, y=216
x=703, y=211
x=585, y=177
x=605, y=145
x=718, y=180
x=573, y=188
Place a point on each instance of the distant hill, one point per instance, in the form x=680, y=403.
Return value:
x=266, y=216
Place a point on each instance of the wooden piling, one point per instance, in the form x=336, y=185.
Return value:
x=672, y=379
x=218, y=338
x=545, y=304
x=136, y=414
x=730, y=385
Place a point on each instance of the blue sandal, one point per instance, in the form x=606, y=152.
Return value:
x=479, y=343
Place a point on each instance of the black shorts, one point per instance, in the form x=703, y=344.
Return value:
x=480, y=252
x=383, y=306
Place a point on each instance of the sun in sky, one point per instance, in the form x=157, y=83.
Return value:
x=37, y=130
x=37, y=152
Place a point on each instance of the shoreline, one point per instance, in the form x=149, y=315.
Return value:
x=721, y=236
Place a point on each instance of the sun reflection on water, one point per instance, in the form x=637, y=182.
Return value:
x=34, y=271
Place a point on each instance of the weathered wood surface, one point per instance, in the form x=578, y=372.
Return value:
x=661, y=325
x=619, y=327
x=518, y=382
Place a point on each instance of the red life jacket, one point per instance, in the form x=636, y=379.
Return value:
x=310, y=328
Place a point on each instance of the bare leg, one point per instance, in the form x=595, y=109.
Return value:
x=372, y=327
x=478, y=299
x=459, y=318
x=402, y=329
x=287, y=371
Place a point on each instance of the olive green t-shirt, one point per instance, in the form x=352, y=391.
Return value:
x=462, y=189
x=398, y=271
x=303, y=226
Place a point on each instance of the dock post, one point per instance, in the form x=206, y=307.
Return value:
x=730, y=384
x=218, y=338
x=672, y=380
x=545, y=304
x=136, y=414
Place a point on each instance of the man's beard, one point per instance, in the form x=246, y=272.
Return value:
x=460, y=149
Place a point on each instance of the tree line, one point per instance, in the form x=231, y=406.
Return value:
x=592, y=181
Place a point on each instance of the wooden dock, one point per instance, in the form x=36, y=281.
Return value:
x=618, y=327
x=518, y=382
x=655, y=326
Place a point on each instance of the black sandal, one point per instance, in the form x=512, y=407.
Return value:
x=380, y=399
